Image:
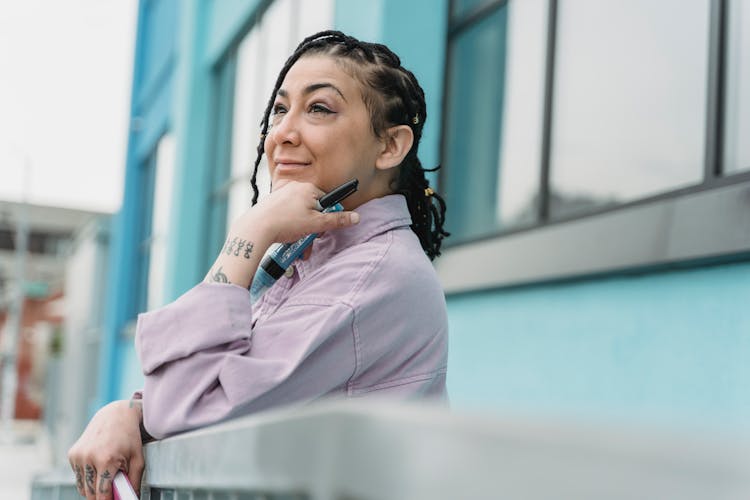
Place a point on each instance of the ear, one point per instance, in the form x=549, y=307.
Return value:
x=396, y=144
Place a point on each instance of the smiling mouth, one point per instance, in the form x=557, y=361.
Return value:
x=290, y=166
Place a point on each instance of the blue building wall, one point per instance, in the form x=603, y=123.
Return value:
x=668, y=348
x=150, y=114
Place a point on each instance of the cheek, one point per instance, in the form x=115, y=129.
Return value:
x=268, y=151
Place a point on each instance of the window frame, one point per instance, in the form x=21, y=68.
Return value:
x=219, y=178
x=687, y=226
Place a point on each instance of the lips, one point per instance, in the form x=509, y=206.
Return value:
x=290, y=163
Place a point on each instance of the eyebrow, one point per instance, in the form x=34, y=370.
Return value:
x=312, y=88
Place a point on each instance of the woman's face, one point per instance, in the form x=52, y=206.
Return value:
x=321, y=132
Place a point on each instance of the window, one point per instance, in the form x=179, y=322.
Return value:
x=158, y=178
x=629, y=101
x=462, y=7
x=593, y=136
x=737, y=145
x=493, y=121
x=245, y=85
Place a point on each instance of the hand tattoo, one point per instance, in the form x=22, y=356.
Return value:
x=79, y=478
x=219, y=277
x=248, y=249
x=90, y=476
x=104, y=482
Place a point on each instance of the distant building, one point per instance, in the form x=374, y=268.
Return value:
x=594, y=168
x=51, y=231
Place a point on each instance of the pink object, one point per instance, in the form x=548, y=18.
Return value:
x=122, y=488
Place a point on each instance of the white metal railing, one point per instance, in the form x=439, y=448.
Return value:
x=357, y=451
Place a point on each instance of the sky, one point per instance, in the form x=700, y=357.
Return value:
x=65, y=79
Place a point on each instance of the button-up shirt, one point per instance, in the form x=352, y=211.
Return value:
x=363, y=315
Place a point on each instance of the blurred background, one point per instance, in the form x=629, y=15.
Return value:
x=595, y=163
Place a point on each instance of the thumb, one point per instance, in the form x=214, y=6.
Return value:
x=135, y=473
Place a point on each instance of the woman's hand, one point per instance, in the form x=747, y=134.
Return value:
x=287, y=214
x=291, y=212
x=111, y=442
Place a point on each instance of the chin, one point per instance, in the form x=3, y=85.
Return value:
x=281, y=180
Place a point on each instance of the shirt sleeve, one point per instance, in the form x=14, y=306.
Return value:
x=203, y=362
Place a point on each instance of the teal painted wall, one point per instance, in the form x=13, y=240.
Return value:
x=671, y=349
x=191, y=128
x=150, y=108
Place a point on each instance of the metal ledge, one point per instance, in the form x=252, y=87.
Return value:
x=707, y=224
x=377, y=451
x=369, y=450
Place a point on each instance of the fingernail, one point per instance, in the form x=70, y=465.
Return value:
x=354, y=217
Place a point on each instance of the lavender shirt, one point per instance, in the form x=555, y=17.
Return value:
x=364, y=315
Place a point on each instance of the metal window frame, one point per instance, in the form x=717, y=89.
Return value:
x=707, y=222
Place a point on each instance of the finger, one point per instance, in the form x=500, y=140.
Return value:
x=338, y=220
x=89, y=479
x=78, y=471
x=135, y=473
x=104, y=483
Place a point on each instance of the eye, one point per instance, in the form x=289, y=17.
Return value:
x=319, y=108
x=278, y=109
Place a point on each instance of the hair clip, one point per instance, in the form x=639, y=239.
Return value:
x=428, y=192
x=262, y=137
x=415, y=120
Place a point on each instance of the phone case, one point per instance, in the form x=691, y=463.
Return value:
x=122, y=488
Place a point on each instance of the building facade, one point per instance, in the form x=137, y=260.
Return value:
x=593, y=162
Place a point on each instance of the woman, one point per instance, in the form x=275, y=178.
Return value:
x=362, y=314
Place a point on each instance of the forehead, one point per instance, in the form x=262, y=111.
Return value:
x=319, y=68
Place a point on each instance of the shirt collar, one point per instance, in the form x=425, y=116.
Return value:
x=375, y=217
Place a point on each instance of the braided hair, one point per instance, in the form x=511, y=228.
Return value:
x=393, y=97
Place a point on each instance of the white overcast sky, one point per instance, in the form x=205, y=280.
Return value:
x=65, y=80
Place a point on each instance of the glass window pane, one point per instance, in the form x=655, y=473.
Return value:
x=165, y=157
x=494, y=120
x=629, y=100
x=523, y=114
x=460, y=8
x=737, y=129
x=475, y=82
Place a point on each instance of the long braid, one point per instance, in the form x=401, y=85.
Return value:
x=394, y=97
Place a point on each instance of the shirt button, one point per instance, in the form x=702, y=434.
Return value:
x=289, y=272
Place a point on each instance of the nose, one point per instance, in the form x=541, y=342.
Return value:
x=285, y=130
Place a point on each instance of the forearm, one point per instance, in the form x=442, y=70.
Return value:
x=239, y=258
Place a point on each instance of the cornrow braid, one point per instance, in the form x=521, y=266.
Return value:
x=393, y=97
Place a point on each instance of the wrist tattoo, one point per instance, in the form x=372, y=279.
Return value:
x=219, y=277
x=229, y=245
x=248, y=249
x=240, y=244
x=237, y=246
